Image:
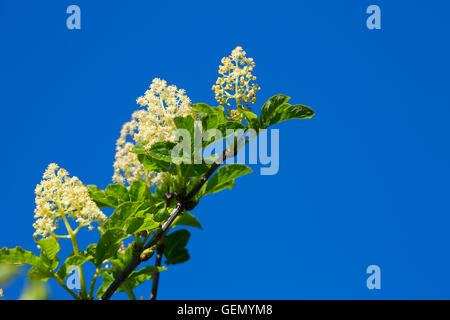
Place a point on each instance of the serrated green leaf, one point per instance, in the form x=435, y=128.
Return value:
x=49, y=249
x=108, y=244
x=138, y=191
x=288, y=112
x=18, y=256
x=224, y=129
x=210, y=121
x=203, y=107
x=187, y=219
x=139, y=148
x=224, y=177
x=270, y=106
x=107, y=279
x=179, y=256
x=101, y=198
x=194, y=170
x=161, y=215
x=231, y=127
x=123, y=212
x=132, y=224
x=39, y=274
x=152, y=164
x=186, y=123
x=119, y=191
x=140, y=276
x=148, y=225
x=161, y=151
x=175, y=250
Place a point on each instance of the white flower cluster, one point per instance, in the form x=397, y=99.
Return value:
x=235, y=82
x=154, y=123
x=58, y=195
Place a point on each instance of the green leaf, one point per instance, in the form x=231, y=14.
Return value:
x=107, y=279
x=71, y=263
x=132, y=224
x=142, y=209
x=118, y=217
x=175, y=250
x=146, y=273
x=49, y=249
x=194, y=169
x=108, y=244
x=90, y=251
x=203, y=107
x=162, y=151
x=187, y=219
x=211, y=111
x=186, y=123
x=198, y=170
x=151, y=164
x=161, y=215
x=101, y=198
x=227, y=185
x=270, y=106
x=19, y=257
x=148, y=225
x=225, y=177
x=288, y=112
x=119, y=191
x=231, y=126
x=252, y=119
x=39, y=274
x=123, y=212
x=138, y=224
x=210, y=121
x=139, y=148
x=138, y=191
x=121, y=260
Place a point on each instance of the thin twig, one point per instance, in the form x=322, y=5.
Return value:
x=159, y=253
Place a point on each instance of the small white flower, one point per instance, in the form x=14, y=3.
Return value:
x=235, y=81
x=153, y=124
x=57, y=195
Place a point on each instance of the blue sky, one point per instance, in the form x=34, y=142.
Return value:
x=364, y=182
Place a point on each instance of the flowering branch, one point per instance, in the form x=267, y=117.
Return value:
x=149, y=181
x=179, y=208
x=135, y=261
